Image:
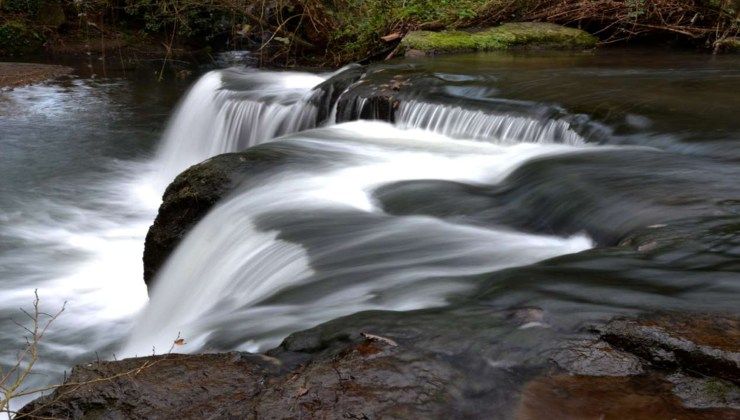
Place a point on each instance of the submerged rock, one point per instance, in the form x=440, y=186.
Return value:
x=665, y=365
x=506, y=36
x=609, y=397
x=701, y=343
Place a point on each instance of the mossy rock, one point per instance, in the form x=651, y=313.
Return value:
x=17, y=39
x=509, y=35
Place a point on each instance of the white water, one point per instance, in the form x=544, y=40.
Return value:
x=219, y=278
x=213, y=120
x=220, y=288
x=455, y=121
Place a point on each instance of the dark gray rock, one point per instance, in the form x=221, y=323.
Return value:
x=192, y=194
x=597, y=358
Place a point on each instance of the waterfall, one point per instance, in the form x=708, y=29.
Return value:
x=230, y=110
x=455, y=121
x=309, y=244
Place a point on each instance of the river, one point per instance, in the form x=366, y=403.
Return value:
x=491, y=163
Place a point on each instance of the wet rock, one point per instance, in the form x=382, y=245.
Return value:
x=597, y=358
x=363, y=378
x=701, y=343
x=377, y=364
x=702, y=392
x=171, y=386
x=191, y=195
x=666, y=365
x=326, y=94
x=197, y=189
x=369, y=100
x=464, y=362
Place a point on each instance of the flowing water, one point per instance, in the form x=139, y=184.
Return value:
x=487, y=163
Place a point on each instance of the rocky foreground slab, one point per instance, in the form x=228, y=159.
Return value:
x=657, y=366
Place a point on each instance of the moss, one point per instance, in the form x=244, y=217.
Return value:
x=508, y=35
x=719, y=389
x=360, y=23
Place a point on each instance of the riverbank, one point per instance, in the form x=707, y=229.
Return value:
x=320, y=33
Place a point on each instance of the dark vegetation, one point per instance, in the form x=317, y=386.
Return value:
x=332, y=32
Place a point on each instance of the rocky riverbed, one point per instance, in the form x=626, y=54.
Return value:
x=19, y=74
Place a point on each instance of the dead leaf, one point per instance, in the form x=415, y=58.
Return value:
x=373, y=337
x=301, y=392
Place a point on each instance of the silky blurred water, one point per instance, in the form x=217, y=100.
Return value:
x=83, y=166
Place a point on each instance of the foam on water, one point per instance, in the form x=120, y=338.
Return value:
x=218, y=280
x=253, y=107
x=456, y=121
x=229, y=283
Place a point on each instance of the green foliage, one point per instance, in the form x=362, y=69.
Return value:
x=360, y=23
x=27, y=7
x=17, y=39
x=636, y=8
x=192, y=19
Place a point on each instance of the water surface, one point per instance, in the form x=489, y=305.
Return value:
x=494, y=162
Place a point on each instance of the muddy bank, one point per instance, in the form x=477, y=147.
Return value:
x=384, y=364
x=20, y=74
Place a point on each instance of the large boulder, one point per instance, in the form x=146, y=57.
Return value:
x=191, y=195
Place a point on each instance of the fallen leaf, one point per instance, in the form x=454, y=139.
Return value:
x=373, y=337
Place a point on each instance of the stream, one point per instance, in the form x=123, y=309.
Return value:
x=502, y=180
